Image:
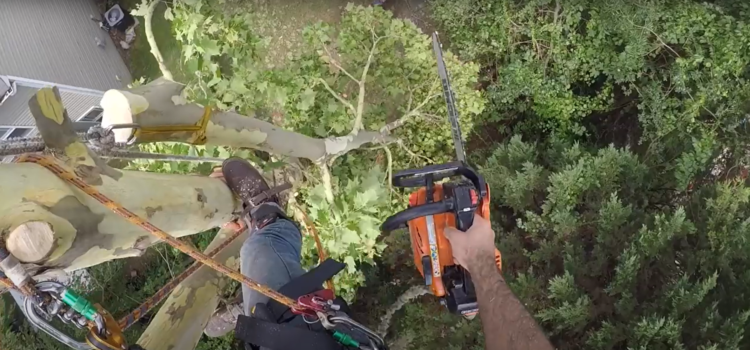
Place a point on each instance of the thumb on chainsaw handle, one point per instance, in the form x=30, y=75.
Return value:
x=474, y=247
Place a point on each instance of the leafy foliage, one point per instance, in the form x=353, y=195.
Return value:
x=349, y=226
x=317, y=92
x=625, y=264
x=401, y=82
x=369, y=70
x=618, y=227
x=584, y=67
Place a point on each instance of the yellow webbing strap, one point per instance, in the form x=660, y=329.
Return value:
x=198, y=130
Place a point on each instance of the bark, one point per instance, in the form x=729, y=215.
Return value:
x=159, y=104
x=61, y=139
x=152, y=41
x=85, y=232
x=180, y=322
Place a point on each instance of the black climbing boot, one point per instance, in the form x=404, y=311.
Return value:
x=260, y=202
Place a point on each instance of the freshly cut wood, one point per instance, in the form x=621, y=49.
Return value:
x=31, y=242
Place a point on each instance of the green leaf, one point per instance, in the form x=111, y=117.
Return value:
x=238, y=85
x=366, y=198
x=351, y=265
x=338, y=127
x=224, y=152
x=317, y=197
x=349, y=236
x=210, y=47
x=262, y=86
x=213, y=81
x=332, y=107
x=320, y=130
x=168, y=15
x=307, y=99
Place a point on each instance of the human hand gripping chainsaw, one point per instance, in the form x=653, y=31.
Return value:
x=439, y=206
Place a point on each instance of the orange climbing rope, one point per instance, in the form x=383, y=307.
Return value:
x=310, y=226
x=51, y=164
x=148, y=305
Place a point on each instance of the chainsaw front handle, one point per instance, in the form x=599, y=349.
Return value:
x=401, y=218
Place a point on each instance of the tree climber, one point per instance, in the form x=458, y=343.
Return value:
x=271, y=256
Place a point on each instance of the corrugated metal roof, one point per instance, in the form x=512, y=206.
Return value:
x=15, y=110
x=54, y=41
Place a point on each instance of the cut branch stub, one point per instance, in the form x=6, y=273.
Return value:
x=158, y=106
x=31, y=242
x=58, y=134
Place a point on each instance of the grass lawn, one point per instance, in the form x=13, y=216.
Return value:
x=140, y=61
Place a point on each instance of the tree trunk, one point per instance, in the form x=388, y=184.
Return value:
x=86, y=233
x=163, y=115
x=180, y=322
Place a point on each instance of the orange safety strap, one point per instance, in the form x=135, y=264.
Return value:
x=51, y=164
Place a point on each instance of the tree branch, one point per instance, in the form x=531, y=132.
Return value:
x=151, y=106
x=346, y=103
x=361, y=97
x=179, y=323
x=152, y=40
x=325, y=173
x=401, y=121
x=337, y=65
x=389, y=168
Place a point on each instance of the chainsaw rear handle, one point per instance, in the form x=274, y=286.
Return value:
x=431, y=173
x=401, y=218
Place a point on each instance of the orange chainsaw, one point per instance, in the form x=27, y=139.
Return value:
x=438, y=204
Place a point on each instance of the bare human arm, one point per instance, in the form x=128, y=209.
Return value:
x=506, y=323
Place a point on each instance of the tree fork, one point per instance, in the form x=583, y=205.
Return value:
x=85, y=233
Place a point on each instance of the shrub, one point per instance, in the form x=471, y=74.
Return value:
x=607, y=259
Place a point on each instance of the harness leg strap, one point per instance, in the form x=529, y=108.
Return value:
x=306, y=284
x=276, y=336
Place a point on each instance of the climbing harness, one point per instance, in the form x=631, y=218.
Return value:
x=51, y=299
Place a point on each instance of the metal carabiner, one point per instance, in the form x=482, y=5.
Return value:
x=132, y=138
x=342, y=318
x=30, y=309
